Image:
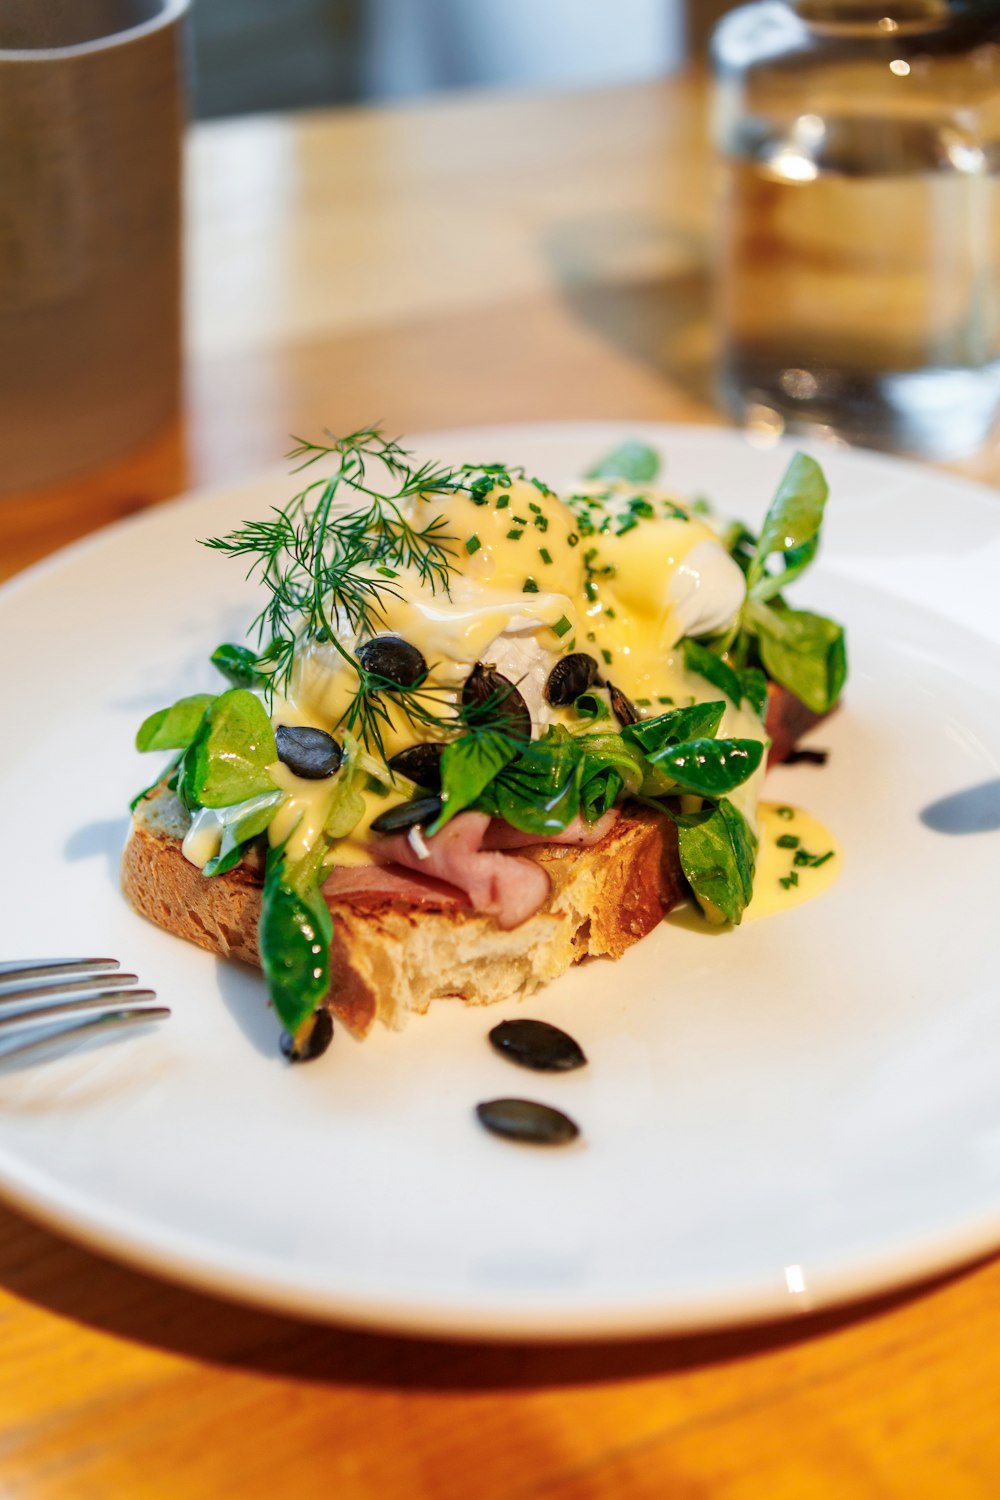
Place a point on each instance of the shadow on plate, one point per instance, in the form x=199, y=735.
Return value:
x=976, y=810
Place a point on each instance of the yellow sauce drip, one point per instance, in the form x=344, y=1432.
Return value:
x=775, y=864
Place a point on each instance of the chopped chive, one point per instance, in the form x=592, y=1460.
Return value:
x=821, y=859
x=542, y=523
x=536, y=508
x=785, y=812
x=502, y=502
x=571, y=645
x=514, y=535
x=788, y=841
x=643, y=702
x=521, y=520
x=590, y=589
x=591, y=636
x=387, y=572
x=608, y=658
x=629, y=523
x=473, y=544
x=610, y=612
x=787, y=881
x=668, y=701
x=529, y=586
x=378, y=788
x=573, y=540
x=561, y=626
x=545, y=554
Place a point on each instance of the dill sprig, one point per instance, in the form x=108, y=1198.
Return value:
x=325, y=561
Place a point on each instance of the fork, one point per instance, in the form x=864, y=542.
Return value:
x=68, y=999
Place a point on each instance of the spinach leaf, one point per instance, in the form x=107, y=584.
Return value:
x=749, y=685
x=294, y=934
x=674, y=727
x=174, y=728
x=708, y=767
x=241, y=824
x=805, y=652
x=754, y=685
x=719, y=673
x=468, y=765
x=228, y=758
x=791, y=526
x=610, y=769
x=634, y=461
x=239, y=665
x=717, y=854
x=539, y=792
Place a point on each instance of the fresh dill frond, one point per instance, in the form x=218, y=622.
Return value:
x=325, y=560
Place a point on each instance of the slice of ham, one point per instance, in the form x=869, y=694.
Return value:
x=390, y=882
x=501, y=835
x=496, y=884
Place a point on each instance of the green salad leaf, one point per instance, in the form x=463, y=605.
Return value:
x=803, y=651
x=241, y=824
x=633, y=461
x=709, y=767
x=718, y=851
x=294, y=934
x=227, y=760
x=174, y=728
x=468, y=765
x=239, y=665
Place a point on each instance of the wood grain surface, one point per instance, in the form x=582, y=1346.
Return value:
x=468, y=261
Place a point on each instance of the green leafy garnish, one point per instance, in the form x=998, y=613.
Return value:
x=294, y=935
x=633, y=461
x=174, y=728
x=717, y=853
x=241, y=824
x=802, y=651
x=227, y=760
x=240, y=666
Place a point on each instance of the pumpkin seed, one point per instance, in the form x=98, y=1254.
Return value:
x=313, y=1044
x=420, y=763
x=311, y=753
x=486, y=688
x=536, y=1044
x=571, y=676
x=396, y=660
x=624, y=711
x=527, y=1120
x=407, y=815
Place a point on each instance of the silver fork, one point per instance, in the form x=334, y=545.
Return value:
x=59, y=1000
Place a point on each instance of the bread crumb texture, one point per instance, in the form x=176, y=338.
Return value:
x=390, y=958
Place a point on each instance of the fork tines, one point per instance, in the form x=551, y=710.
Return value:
x=49, y=996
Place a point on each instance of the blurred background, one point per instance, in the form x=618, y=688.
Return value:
x=253, y=55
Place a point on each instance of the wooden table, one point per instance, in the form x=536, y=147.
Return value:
x=469, y=261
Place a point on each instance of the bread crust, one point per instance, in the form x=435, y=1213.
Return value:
x=389, y=957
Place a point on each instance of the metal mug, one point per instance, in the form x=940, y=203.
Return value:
x=91, y=123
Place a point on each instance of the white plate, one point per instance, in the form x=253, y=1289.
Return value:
x=777, y=1118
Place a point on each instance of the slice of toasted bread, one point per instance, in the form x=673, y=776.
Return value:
x=390, y=957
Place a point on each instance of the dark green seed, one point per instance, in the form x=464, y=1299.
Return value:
x=391, y=657
x=624, y=711
x=420, y=763
x=536, y=1044
x=526, y=1120
x=407, y=815
x=311, y=1045
x=571, y=676
x=311, y=753
x=487, y=689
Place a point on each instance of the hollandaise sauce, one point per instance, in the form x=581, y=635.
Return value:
x=798, y=859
